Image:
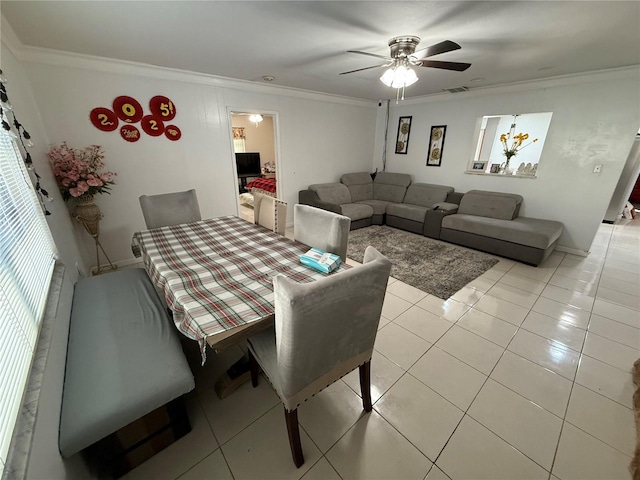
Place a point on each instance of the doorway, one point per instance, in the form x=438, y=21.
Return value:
x=255, y=157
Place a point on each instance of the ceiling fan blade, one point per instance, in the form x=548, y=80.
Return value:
x=365, y=68
x=457, y=66
x=437, y=49
x=370, y=54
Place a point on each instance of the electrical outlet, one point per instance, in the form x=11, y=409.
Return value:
x=597, y=168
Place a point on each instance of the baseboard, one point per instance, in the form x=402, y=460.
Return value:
x=573, y=251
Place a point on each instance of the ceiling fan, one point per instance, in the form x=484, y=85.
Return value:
x=403, y=56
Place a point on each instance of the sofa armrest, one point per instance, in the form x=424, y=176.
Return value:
x=446, y=207
x=309, y=197
x=433, y=220
x=454, y=197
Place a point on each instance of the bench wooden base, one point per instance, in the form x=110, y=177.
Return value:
x=130, y=446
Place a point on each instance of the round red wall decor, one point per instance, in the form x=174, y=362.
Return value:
x=104, y=119
x=127, y=109
x=130, y=133
x=172, y=132
x=152, y=125
x=162, y=107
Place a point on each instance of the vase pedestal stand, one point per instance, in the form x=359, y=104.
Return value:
x=88, y=214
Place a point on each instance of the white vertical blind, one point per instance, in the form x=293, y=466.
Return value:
x=27, y=255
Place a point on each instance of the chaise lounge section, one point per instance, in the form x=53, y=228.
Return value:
x=489, y=221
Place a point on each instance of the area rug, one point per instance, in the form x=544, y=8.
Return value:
x=435, y=267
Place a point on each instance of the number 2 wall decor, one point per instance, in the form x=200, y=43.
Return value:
x=128, y=110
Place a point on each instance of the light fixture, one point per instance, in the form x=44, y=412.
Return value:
x=399, y=75
x=255, y=118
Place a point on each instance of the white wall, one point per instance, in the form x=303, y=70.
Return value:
x=320, y=137
x=45, y=460
x=595, y=120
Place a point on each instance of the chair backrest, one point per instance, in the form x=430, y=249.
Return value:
x=321, y=229
x=170, y=209
x=325, y=329
x=270, y=212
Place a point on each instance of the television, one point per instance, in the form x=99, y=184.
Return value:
x=248, y=164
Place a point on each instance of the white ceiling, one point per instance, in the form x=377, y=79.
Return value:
x=303, y=44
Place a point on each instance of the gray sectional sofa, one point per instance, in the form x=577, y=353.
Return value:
x=487, y=221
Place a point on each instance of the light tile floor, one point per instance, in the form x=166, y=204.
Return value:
x=524, y=373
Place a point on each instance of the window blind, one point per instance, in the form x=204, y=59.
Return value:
x=27, y=256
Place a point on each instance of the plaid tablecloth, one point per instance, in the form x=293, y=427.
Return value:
x=217, y=274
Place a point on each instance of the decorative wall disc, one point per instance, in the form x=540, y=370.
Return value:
x=162, y=107
x=128, y=109
x=172, y=132
x=152, y=125
x=104, y=119
x=130, y=133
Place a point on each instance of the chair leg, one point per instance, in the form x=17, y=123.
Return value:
x=365, y=385
x=294, y=436
x=254, y=368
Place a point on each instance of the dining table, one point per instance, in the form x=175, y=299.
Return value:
x=216, y=276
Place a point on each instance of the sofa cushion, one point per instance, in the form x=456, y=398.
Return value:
x=359, y=184
x=533, y=232
x=390, y=187
x=426, y=194
x=498, y=205
x=379, y=206
x=331, y=192
x=357, y=211
x=407, y=211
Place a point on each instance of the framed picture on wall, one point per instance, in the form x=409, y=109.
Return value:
x=495, y=168
x=436, y=144
x=402, y=139
x=479, y=165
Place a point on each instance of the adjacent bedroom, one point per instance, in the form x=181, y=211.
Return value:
x=255, y=158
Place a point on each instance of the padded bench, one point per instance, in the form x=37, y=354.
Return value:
x=125, y=373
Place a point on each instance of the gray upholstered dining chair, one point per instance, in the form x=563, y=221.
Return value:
x=321, y=229
x=170, y=209
x=270, y=212
x=323, y=330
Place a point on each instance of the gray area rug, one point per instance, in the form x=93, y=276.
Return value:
x=435, y=267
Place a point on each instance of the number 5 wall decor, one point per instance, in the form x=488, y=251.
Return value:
x=129, y=111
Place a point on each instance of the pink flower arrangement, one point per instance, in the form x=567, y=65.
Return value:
x=79, y=171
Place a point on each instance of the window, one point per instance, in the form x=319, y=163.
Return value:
x=27, y=255
x=510, y=144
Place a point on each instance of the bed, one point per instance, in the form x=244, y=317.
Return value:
x=266, y=186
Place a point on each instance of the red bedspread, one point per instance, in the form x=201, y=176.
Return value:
x=266, y=184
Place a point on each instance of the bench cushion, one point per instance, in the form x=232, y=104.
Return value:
x=124, y=358
x=416, y=213
x=359, y=184
x=379, y=206
x=532, y=232
x=500, y=205
x=357, y=211
x=336, y=193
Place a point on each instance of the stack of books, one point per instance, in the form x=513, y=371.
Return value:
x=322, y=261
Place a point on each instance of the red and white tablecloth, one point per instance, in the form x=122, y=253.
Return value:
x=217, y=274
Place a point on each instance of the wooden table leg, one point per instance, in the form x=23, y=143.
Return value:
x=235, y=376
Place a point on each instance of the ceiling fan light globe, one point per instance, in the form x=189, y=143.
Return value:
x=387, y=77
x=399, y=77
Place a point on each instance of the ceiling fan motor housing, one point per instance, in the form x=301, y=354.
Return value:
x=403, y=46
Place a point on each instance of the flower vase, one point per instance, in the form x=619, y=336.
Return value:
x=86, y=212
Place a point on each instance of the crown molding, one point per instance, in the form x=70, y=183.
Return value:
x=527, y=85
x=58, y=58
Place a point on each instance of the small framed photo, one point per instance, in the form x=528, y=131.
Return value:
x=495, y=168
x=402, y=140
x=479, y=165
x=436, y=144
